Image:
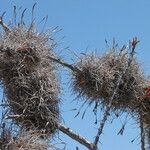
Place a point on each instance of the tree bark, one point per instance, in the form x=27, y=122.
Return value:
x=77, y=137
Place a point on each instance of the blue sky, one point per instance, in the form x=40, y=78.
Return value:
x=85, y=25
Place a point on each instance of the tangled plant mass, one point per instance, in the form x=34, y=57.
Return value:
x=98, y=77
x=30, y=140
x=29, y=78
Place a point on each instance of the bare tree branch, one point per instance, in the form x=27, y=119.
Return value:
x=132, y=45
x=65, y=130
x=77, y=137
x=142, y=132
x=64, y=64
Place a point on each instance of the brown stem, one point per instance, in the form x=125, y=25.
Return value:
x=64, y=64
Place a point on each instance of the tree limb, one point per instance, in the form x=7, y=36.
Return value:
x=76, y=137
x=142, y=134
x=132, y=45
x=69, y=132
x=64, y=64
x=65, y=130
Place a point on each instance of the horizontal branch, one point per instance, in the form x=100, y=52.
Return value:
x=64, y=63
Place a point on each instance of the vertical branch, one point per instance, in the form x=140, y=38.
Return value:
x=15, y=14
x=142, y=132
x=106, y=113
x=132, y=45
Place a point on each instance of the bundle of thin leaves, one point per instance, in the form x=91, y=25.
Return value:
x=29, y=78
x=98, y=78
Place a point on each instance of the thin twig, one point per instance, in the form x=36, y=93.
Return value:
x=4, y=26
x=22, y=16
x=32, y=19
x=13, y=116
x=15, y=14
x=132, y=46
